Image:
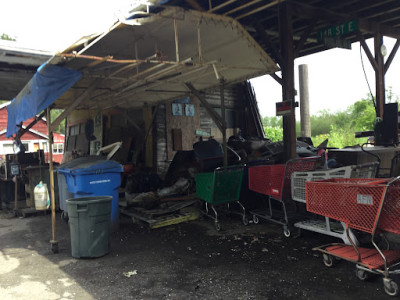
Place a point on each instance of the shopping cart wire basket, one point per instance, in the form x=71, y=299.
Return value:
x=274, y=181
x=370, y=205
x=222, y=186
x=328, y=226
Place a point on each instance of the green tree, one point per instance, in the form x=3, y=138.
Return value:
x=54, y=113
x=362, y=115
x=6, y=37
x=272, y=122
x=390, y=97
x=275, y=134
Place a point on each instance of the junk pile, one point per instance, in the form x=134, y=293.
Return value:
x=160, y=202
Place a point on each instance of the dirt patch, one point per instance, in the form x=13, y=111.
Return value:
x=184, y=261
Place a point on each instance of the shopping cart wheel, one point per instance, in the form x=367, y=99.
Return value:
x=391, y=288
x=286, y=232
x=245, y=220
x=255, y=219
x=328, y=260
x=363, y=275
x=217, y=226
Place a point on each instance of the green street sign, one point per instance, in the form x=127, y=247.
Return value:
x=338, y=30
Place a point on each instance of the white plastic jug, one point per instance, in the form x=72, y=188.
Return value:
x=42, y=199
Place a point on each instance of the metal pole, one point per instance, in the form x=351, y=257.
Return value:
x=53, y=241
x=222, y=91
x=304, y=102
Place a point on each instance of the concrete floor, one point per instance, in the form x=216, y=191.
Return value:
x=185, y=261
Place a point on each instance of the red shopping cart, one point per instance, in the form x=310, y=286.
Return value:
x=369, y=205
x=275, y=182
x=326, y=225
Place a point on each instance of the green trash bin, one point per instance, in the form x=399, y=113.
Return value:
x=89, y=223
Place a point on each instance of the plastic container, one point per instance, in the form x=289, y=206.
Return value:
x=41, y=196
x=89, y=221
x=63, y=192
x=36, y=174
x=90, y=176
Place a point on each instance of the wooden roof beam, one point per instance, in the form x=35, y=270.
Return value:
x=364, y=25
x=195, y=5
x=368, y=52
x=222, y=5
x=372, y=27
x=391, y=56
x=300, y=44
x=271, y=46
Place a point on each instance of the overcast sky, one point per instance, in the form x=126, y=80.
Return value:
x=336, y=77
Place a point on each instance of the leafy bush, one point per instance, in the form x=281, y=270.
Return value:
x=275, y=134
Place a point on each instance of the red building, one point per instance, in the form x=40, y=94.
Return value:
x=36, y=138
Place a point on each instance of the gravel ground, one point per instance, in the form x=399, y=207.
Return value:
x=185, y=261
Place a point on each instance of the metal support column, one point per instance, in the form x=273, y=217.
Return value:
x=288, y=90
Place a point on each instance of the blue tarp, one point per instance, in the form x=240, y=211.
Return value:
x=48, y=84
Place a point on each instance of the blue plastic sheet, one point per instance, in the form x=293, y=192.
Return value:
x=48, y=84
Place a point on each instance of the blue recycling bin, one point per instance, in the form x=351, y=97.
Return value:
x=97, y=177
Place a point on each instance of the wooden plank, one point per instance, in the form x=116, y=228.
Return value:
x=162, y=221
x=177, y=139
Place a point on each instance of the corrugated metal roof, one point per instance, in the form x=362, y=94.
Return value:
x=17, y=66
x=151, y=59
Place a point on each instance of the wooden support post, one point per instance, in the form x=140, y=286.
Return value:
x=222, y=93
x=379, y=75
x=53, y=241
x=288, y=91
x=15, y=194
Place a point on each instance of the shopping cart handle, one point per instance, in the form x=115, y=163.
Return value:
x=393, y=180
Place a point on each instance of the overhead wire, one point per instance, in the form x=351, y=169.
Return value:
x=366, y=79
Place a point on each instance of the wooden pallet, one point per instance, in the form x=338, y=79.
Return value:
x=156, y=218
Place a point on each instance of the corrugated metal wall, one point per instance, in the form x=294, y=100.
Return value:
x=234, y=109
